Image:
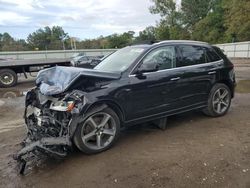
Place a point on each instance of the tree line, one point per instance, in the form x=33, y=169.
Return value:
x=213, y=21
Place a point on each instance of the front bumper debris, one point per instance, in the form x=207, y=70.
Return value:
x=49, y=132
x=43, y=146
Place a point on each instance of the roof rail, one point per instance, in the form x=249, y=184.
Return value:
x=145, y=42
x=186, y=41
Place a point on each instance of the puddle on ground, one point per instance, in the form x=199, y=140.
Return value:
x=10, y=94
x=243, y=86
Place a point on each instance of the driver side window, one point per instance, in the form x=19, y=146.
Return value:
x=160, y=59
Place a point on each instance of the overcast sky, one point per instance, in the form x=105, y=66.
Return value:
x=80, y=18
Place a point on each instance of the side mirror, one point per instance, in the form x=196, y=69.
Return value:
x=140, y=75
x=149, y=67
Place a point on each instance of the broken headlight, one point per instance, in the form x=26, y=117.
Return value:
x=62, y=106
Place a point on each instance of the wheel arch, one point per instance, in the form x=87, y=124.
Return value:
x=111, y=104
x=229, y=84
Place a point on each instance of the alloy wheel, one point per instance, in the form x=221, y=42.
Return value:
x=98, y=131
x=221, y=100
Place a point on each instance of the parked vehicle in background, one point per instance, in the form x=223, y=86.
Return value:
x=88, y=107
x=80, y=54
x=9, y=68
x=86, y=61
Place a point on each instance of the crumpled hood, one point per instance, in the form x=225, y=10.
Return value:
x=58, y=79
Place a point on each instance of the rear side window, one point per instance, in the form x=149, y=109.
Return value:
x=191, y=55
x=220, y=52
x=212, y=55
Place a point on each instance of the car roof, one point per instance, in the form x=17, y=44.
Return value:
x=141, y=45
x=182, y=42
x=190, y=42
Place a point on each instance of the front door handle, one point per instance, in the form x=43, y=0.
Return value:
x=127, y=89
x=175, y=79
x=212, y=72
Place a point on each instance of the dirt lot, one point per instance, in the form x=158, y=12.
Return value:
x=194, y=151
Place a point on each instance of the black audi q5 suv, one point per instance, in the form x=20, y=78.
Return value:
x=88, y=107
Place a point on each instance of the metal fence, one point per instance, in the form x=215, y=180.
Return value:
x=232, y=50
x=53, y=54
x=236, y=50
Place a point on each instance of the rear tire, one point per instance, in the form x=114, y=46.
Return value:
x=219, y=101
x=8, y=78
x=98, y=132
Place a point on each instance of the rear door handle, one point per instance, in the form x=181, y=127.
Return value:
x=175, y=79
x=212, y=72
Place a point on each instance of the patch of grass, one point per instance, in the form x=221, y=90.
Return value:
x=243, y=86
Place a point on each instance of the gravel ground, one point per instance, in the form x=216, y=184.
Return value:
x=194, y=150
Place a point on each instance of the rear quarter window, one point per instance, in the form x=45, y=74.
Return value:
x=219, y=52
x=191, y=55
x=212, y=55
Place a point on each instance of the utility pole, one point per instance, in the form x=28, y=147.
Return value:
x=74, y=43
x=71, y=44
x=63, y=38
x=63, y=44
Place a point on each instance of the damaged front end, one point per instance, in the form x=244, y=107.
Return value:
x=51, y=122
x=56, y=106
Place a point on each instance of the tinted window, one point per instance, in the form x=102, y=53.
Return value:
x=162, y=58
x=220, y=52
x=212, y=55
x=191, y=55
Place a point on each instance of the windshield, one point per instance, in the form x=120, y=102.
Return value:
x=120, y=60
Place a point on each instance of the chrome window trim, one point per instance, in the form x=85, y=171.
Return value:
x=177, y=68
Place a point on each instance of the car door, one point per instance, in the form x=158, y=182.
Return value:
x=148, y=91
x=198, y=74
